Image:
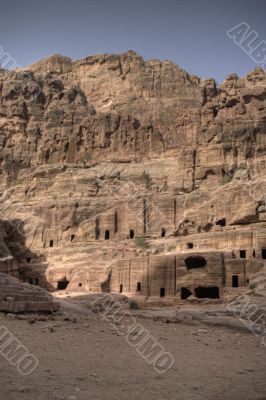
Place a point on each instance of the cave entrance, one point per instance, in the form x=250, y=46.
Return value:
x=195, y=262
x=263, y=254
x=162, y=292
x=116, y=223
x=210, y=292
x=51, y=243
x=221, y=222
x=72, y=237
x=131, y=234
x=138, y=286
x=234, y=280
x=107, y=235
x=190, y=245
x=62, y=284
x=120, y=288
x=163, y=232
x=185, y=293
x=243, y=253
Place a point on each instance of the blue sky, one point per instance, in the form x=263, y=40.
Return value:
x=191, y=33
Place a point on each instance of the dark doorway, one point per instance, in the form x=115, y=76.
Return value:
x=62, y=284
x=163, y=232
x=138, y=286
x=234, y=280
x=263, y=254
x=243, y=253
x=80, y=284
x=162, y=292
x=116, y=223
x=211, y=292
x=190, y=245
x=221, y=222
x=51, y=243
x=72, y=237
x=254, y=253
x=120, y=288
x=195, y=262
x=131, y=233
x=28, y=259
x=185, y=293
x=107, y=235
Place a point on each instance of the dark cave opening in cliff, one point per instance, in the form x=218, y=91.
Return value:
x=131, y=234
x=72, y=237
x=263, y=254
x=185, y=293
x=221, y=222
x=51, y=243
x=138, y=286
x=190, y=245
x=194, y=262
x=116, y=223
x=163, y=232
x=162, y=292
x=243, y=253
x=234, y=280
x=210, y=292
x=62, y=284
x=107, y=235
x=120, y=288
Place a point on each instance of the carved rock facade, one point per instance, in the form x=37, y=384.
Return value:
x=116, y=171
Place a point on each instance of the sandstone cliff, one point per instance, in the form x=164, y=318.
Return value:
x=102, y=150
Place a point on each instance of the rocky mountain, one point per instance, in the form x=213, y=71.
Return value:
x=112, y=168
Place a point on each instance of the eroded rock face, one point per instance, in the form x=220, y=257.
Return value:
x=97, y=152
x=18, y=297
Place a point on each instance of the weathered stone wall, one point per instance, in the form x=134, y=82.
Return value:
x=166, y=275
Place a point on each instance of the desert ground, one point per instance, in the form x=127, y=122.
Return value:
x=83, y=357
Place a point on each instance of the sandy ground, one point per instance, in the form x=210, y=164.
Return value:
x=85, y=358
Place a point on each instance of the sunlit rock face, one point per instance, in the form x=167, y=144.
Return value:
x=110, y=161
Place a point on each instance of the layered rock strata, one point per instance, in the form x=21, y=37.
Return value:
x=112, y=160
